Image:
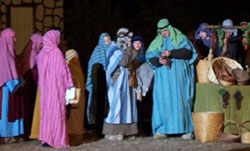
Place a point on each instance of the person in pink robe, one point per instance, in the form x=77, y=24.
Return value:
x=7, y=53
x=9, y=83
x=54, y=79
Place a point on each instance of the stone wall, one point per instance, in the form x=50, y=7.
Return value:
x=47, y=13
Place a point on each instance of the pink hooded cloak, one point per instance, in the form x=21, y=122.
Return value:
x=54, y=79
x=7, y=53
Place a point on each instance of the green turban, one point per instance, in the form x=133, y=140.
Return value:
x=175, y=35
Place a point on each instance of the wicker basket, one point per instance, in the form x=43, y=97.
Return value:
x=230, y=62
x=202, y=69
x=206, y=125
x=227, y=137
x=225, y=83
x=245, y=136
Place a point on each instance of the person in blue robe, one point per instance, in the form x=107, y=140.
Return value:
x=122, y=116
x=96, y=84
x=172, y=55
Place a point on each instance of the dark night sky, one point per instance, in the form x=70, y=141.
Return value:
x=85, y=20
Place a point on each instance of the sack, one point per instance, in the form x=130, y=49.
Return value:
x=133, y=81
x=77, y=96
x=202, y=69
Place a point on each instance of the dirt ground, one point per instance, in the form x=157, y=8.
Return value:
x=142, y=143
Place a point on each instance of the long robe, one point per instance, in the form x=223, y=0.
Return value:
x=76, y=112
x=96, y=98
x=54, y=80
x=8, y=84
x=34, y=134
x=21, y=104
x=121, y=97
x=9, y=129
x=173, y=91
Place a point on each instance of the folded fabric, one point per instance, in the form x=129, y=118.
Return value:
x=77, y=96
x=70, y=94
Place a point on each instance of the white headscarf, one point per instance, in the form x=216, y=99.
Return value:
x=124, y=37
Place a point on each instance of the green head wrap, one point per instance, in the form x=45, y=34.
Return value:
x=175, y=35
x=162, y=24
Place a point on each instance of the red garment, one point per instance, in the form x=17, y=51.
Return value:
x=16, y=106
x=21, y=104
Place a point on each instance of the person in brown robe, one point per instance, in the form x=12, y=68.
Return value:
x=76, y=111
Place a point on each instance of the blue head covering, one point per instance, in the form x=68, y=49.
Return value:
x=141, y=56
x=206, y=30
x=97, y=56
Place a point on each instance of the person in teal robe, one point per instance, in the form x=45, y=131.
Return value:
x=172, y=55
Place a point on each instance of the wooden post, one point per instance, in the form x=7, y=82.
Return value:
x=224, y=49
x=248, y=58
x=221, y=27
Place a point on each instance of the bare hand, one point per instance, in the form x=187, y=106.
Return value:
x=167, y=53
x=139, y=97
x=163, y=61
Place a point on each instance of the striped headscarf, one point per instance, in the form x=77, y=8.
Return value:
x=97, y=56
x=7, y=53
x=36, y=43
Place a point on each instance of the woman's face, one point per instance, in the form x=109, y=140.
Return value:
x=14, y=39
x=203, y=35
x=107, y=40
x=137, y=45
x=165, y=33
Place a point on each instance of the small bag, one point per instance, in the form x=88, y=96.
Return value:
x=203, y=66
x=202, y=69
x=132, y=80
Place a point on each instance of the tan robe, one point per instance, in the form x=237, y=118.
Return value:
x=76, y=112
x=36, y=117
